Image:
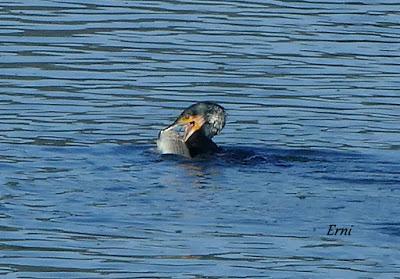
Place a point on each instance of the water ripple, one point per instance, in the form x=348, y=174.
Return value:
x=311, y=90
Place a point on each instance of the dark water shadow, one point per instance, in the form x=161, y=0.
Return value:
x=329, y=165
x=333, y=166
x=227, y=156
x=391, y=229
x=259, y=156
x=233, y=155
x=248, y=155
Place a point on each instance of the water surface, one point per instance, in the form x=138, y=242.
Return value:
x=311, y=91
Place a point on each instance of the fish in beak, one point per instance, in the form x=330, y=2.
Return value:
x=192, y=131
x=186, y=126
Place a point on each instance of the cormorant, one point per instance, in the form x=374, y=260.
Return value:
x=192, y=131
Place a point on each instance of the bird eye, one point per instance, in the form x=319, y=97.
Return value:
x=191, y=123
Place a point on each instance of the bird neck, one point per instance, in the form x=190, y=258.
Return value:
x=198, y=143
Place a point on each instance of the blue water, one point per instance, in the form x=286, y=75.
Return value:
x=311, y=91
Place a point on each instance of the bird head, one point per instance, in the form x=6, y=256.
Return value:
x=204, y=117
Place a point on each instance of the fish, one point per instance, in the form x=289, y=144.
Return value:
x=171, y=142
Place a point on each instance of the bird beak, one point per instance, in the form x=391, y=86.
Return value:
x=187, y=126
x=192, y=124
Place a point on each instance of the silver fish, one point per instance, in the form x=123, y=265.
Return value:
x=171, y=142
